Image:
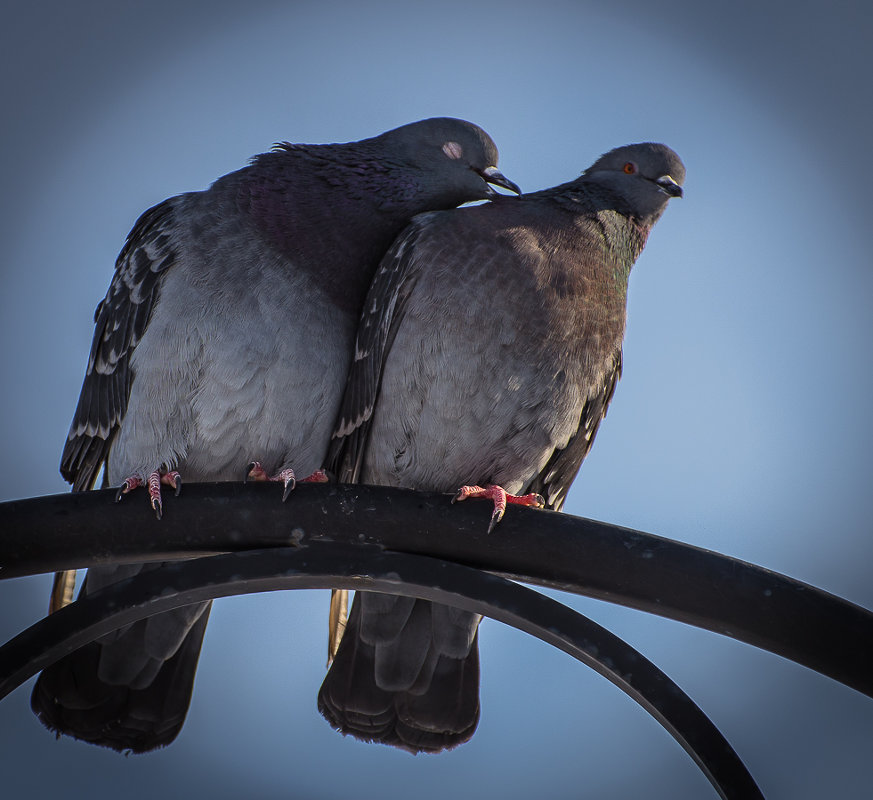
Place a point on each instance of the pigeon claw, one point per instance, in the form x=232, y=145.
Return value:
x=500, y=497
x=287, y=477
x=127, y=486
x=319, y=476
x=153, y=483
x=173, y=479
x=255, y=472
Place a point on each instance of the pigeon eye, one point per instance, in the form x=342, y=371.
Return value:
x=630, y=168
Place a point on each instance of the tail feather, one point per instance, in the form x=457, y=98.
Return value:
x=113, y=693
x=429, y=700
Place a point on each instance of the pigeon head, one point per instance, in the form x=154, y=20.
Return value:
x=644, y=175
x=455, y=161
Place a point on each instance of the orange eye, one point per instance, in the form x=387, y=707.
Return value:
x=630, y=168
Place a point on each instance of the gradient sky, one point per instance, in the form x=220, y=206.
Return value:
x=742, y=423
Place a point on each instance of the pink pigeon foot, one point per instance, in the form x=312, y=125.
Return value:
x=153, y=482
x=255, y=472
x=500, y=497
x=319, y=476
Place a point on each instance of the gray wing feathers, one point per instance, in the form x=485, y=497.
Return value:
x=383, y=313
x=120, y=321
x=555, y=478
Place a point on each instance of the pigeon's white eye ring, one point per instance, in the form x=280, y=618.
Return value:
x=629, y=168
x=453, y=150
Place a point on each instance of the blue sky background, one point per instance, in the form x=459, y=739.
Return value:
x=742, y=423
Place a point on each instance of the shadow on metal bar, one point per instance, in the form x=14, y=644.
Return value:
x=320, y=565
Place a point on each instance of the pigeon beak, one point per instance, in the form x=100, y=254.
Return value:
x=668, y=186
x=495, y=176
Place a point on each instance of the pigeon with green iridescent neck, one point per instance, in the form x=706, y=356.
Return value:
x=488, y=353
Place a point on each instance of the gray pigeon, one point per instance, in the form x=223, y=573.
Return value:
x=225, y=338
x=487, y=355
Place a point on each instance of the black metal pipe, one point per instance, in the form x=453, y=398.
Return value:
x=631, y=568
x=362, y=566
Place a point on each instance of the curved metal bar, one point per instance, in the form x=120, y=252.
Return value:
x=635, y=569
x=321, y=565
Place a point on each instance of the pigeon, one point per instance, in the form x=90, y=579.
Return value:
x=224, y=339
x=486, y=359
